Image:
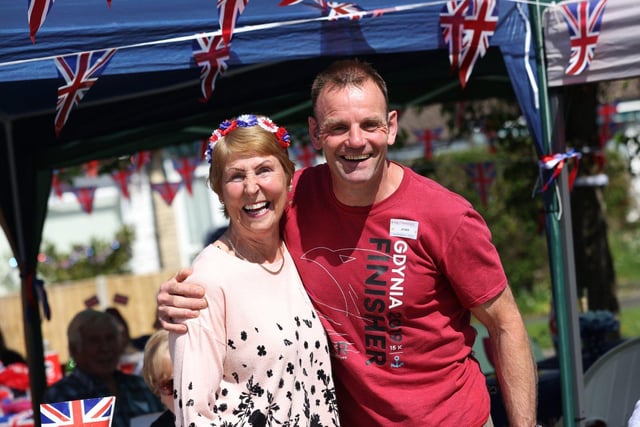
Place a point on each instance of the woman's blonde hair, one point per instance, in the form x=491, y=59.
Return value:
x=155, y=351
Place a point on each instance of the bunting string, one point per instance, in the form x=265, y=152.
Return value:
x=251, y=28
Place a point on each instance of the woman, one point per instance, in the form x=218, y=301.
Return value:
x=157, y=372
x=258, y=354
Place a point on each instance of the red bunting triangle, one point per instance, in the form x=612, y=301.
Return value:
x=167, y=190
x=85, y=197
x=91, y=168
x=186, y=166
x=56, y=184
x=121, y=177
x=140, y=159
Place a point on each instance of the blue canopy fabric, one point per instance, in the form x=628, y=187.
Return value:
x=156, y=37
x=149, y=94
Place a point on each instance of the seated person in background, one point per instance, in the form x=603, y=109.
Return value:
x=157, y=372
x=8, y=356
x=130, y=356
x=93, y=344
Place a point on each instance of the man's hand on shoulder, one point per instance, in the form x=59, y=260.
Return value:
x=179, y=300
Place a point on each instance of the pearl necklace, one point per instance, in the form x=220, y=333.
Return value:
x=242, y=257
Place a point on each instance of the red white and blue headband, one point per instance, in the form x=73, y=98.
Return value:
x=247, y=121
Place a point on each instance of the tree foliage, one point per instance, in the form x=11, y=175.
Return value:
x=99, y=257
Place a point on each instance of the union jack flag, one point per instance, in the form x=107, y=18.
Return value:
x=80, y=71
x=338, y=10
x=583, y=20
x=92, y=301
x=211, y=54
x=452, y=24
x=228, y=13
x=167, y=190
x=89, y=412
x=479, y=26
x=482, y=175
x=38, y=11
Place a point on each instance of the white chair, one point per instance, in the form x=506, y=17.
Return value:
x=612, y=384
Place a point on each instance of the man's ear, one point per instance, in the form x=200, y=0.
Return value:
x=314, y=133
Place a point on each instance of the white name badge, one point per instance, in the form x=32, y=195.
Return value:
x=403, y=228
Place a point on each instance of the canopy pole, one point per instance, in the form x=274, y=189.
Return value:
x=560, y=241
x=29, y=297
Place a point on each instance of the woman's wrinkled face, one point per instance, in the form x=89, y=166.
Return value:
x=254, y=192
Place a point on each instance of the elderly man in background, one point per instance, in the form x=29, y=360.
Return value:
x=93, y=345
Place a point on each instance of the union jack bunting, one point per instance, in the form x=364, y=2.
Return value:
x=91, y=168
x=58, y=187
x=167, y=190
x=479, y=26
x=212, y=55
x=228, y=13
x=304, y=154
x=606, y=120
x=88, y=412
x=482, y=175
x=186, y=166
x=338, y=10
x=121, y=177
x=583, y=20
x=428, y=137
x=80, y=72
x=138, y=160
x=452, y=24
x=38, y=11
x=85, y=197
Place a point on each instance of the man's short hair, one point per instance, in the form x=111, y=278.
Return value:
x=84, y=319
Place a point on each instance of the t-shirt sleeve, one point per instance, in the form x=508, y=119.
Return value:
x=472, y=263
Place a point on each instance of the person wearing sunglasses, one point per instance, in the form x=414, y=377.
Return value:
x=157, y=371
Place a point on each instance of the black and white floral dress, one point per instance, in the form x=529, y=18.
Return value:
x=257, y=356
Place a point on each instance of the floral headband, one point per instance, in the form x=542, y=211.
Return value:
x=247, y=121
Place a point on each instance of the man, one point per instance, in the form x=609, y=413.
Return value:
x=93, y=346
x=395, y=265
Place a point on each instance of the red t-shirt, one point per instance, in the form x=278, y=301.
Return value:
x=393, y=284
